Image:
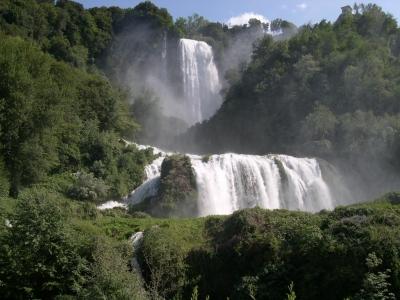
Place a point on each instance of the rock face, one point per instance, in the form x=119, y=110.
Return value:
x=177, y=193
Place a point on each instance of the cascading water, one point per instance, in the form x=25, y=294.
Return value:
x=230, y=182
x=164, y=57
x=200, y=79
x=152, y=177
x=136, y=240
x=164, y=48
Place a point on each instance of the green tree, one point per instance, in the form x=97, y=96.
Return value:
x=320, y=124
x=39, y=256
x=26, y=144
x=375, y=285
x=164, y=265
x=110, y=277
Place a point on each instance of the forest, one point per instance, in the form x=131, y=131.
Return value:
x=74, y=107
x=331, y=91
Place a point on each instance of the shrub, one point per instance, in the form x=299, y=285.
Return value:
x=39, y=257
x=87, y=187
x=110, y=274
x=163, y=260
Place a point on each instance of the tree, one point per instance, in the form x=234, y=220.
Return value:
x=110, y=275
x=163, y=263
x=39, y=257
x=87, y=187
x=25, y=142
x=375, y=285
x=320, y=124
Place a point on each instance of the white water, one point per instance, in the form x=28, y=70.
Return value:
x=111, y=204
x=152, y=177
x=200, y=79
x=136, y=240
x=230, y=182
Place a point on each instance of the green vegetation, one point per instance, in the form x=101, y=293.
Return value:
x=39, y=257
x=351, y=252
x=65, y=29
x=329, y=91
x=54, y=247
x=57, y=119
x=178, y=191
x=110, y=275
x=62, y=149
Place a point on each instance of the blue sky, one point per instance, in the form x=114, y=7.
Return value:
x=297, y=11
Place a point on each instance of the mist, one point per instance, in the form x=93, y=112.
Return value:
x=143, y=60
x=176, y=83
x=177, y=88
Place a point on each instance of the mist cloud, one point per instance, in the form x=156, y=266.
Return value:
x=244, y=19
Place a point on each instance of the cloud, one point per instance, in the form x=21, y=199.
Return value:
x=302, y=6
x=244, y=19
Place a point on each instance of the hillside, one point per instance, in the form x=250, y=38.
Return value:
x=331, y=91
x=312, y=115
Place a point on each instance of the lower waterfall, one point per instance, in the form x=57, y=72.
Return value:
x=229, y=182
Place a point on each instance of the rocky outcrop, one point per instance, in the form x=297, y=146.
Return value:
x=177, y=193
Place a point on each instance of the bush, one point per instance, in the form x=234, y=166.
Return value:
x=39, y=256
x=257, y=253
x=111, y=277
x=88, y=188
x=394, y=198
x=139, y=215
x=89, y=211
x=163, y=261
x=4, y=181
x=376, y=284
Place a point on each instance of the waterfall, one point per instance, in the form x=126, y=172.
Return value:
x=229, y=182
x=200, y=79
x=136, y=241
x=164, y=58
x=164, y=48
x=150, y=187
x=152, y=177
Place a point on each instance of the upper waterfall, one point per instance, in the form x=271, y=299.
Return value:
x=200, y=79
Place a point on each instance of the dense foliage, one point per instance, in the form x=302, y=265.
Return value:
x=330, y=91
x=65, y=29
x=254, y=254
x=351, y=252
x=51, y=248
x=51, y=264
x=55, y=118
x=62, y=147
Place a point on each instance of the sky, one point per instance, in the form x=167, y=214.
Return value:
x=297, y=11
